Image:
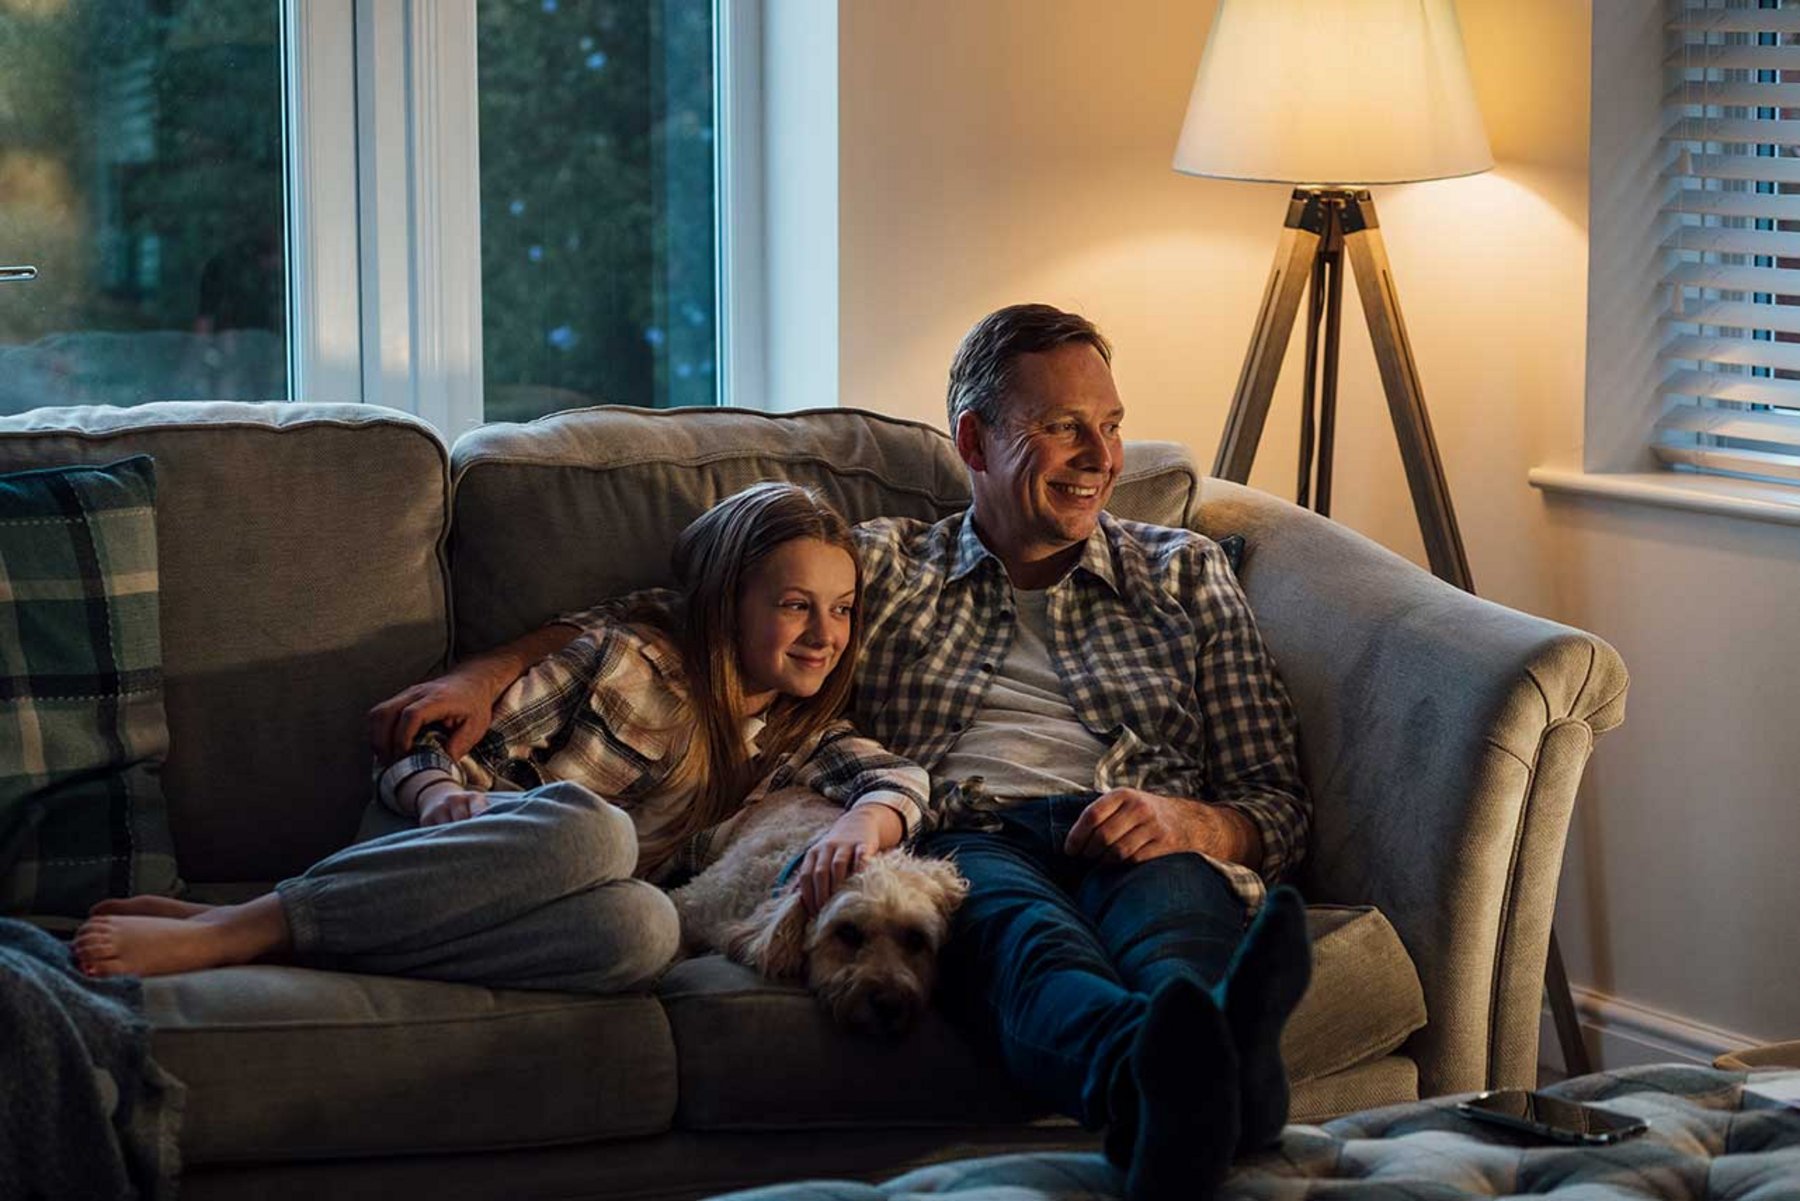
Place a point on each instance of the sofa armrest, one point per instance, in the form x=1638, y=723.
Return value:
x=1443, y=737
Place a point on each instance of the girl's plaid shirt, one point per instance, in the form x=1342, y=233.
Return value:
x=608, y=711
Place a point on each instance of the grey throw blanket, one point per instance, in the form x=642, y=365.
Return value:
x=84, y=1110
x=1712, y=1137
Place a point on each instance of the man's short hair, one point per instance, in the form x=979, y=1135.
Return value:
x=982, y=371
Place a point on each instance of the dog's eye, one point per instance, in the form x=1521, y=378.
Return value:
x=913, y=941
x=850, y=936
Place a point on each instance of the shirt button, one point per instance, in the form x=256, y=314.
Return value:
x=1006, y=615
x=988, y=667
x=956, y=727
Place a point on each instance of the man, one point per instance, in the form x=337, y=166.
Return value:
x=1099, y=689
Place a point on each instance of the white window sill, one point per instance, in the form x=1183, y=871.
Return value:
x=1697, y=493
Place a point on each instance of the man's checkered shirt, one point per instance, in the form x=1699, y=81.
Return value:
x=1152, y=638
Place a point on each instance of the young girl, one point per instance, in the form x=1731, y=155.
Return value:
x=605, y=765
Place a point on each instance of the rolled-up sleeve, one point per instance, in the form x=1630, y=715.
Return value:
x=854, y=770
x=1251, y=749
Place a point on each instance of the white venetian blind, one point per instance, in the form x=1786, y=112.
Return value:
x=1731, y=337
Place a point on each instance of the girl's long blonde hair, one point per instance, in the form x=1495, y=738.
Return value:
x=712, y=559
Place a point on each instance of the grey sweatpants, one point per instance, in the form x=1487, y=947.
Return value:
x=534, y=893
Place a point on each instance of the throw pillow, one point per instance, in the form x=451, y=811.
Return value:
x=82, y=732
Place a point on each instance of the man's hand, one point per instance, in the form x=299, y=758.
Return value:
x=450, y=803
x=1128, y=825
x=852, y=838
x=462, y=702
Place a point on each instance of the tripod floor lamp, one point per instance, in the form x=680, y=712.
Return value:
x=1331, y=96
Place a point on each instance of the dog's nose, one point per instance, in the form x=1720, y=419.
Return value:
x=891, y=1013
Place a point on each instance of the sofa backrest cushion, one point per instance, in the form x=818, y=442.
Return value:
x=303, y=578
x=564, y=511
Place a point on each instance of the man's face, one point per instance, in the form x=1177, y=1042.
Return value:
x=1044, y=472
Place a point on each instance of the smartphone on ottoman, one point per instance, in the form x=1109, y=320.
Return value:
x=1552, y=1117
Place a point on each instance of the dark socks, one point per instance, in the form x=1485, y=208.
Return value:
x=1183, y=1123
x=1262, y=987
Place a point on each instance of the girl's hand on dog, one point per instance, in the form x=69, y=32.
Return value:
x=451, y=803
x=852, y=838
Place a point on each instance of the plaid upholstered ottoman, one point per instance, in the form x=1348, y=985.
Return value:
x=1709, y=1138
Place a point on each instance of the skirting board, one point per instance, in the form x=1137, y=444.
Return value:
x=1620, y=1034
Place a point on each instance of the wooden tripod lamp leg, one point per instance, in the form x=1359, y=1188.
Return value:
x=1406, y=399
x=1562, y=1012
x=1269, y=340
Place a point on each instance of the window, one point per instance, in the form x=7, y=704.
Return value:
x=1730, y=346
x=597, y=221
x=469, y=209
x=141, y=174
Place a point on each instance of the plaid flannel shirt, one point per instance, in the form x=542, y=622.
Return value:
x=1152, y=637
x=609, y=711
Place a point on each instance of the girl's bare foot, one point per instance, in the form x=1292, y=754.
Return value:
x=144, y=945
x=150, y=906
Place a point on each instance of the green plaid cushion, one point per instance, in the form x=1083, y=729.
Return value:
x=82, y=734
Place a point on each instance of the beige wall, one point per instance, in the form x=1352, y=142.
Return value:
x=1011, y=150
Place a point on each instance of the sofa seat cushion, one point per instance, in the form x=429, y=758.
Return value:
x=290, y=1063
x=1364, y=999
x=757, y=1055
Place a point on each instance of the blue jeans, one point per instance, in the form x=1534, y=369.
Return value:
x=536, y=892
x=1053, y=958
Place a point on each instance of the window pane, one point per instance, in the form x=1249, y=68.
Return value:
x=596, y=204
x=141, y=172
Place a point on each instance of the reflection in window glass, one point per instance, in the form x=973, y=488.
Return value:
x=141, y=172
x=596, y=204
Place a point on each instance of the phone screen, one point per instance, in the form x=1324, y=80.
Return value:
x=1552, y=1115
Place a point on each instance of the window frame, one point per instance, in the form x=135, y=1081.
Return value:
x=384, y=215
x=319, y=123
x=740, y=282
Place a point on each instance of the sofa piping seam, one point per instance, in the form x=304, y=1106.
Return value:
x=242, y=1027
x=511, y=460
x=1504, y=933
x=574, y=1140
x=1505, y=924
x=395, y=420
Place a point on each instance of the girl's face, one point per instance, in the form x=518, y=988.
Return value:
x=794, y=620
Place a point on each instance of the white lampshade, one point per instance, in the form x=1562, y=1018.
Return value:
x=1333, y=92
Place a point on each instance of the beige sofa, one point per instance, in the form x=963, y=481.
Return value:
x=317, y=558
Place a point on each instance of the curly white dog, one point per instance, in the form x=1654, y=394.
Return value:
x=870, y=955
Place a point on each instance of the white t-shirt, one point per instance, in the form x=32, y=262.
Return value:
x=1025, y=740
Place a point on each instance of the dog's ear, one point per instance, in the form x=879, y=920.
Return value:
x=947, y=884
x=773, y=938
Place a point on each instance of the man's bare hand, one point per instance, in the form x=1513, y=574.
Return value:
x=462, y=702
x=1129, y=825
